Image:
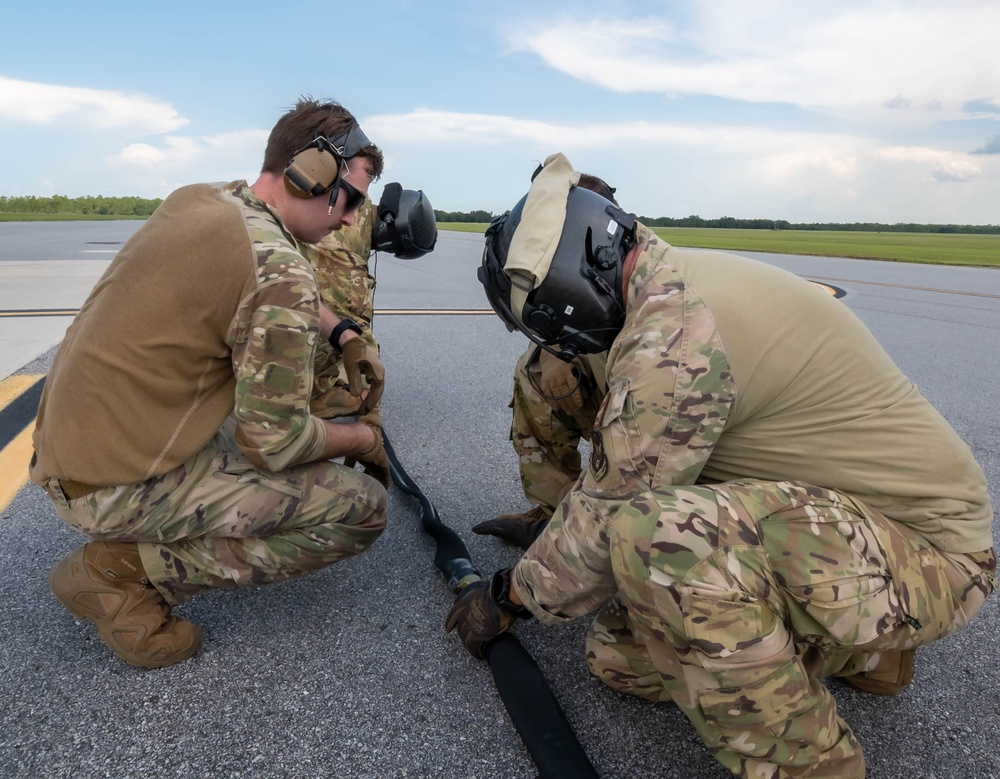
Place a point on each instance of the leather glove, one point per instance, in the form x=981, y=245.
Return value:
x=361, y=360
x=560, y=383
x=375, y=462
x=478, y=617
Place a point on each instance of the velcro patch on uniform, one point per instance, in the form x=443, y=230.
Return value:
x=598, y=457
x=613, y=405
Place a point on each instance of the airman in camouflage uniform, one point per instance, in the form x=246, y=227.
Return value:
x=340, y=262
x=175, y=427
x=547, y=437
x=550, y=415
x=727, y=579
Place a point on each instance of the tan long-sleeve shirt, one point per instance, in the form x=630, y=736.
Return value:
x=208, y=309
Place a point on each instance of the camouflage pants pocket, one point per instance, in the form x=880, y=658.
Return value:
x=617, y=655
x=751, y=717
x=785, y=719
x=235, y=469
x=547, y=447
x=838, y=583
x=940, y=591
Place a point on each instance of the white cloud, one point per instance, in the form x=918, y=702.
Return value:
x=36, y=103
x=176, y=151
x=425, y=127
x=661, y=168
x=942, y=166
x=908, y=61
x=155, y=170
x=956, y=171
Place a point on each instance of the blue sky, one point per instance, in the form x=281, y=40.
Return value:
x=798, y=110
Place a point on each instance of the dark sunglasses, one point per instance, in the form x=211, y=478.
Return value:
x=355, y=198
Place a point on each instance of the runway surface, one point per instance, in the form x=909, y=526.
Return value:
x=348, y=673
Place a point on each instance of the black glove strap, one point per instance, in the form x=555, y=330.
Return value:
x=339, y=330
x=500, y=593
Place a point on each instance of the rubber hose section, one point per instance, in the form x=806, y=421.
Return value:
x=533, y=709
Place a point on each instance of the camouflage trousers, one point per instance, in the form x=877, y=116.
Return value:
x=216, y=521
x=735, y=600
x=547, y=439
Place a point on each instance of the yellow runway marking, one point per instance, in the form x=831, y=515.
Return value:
x=15, y=455
x=825, y=287
x=14, y=459
x=39, y=312
x=13, y=386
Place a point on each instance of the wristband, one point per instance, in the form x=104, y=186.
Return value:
x=500, y=593
x=340, y=329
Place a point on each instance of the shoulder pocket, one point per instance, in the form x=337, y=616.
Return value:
x=616, y=468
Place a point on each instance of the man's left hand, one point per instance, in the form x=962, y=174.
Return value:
x=560, y=383
x=361, y=360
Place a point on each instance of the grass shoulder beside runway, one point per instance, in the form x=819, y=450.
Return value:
x=65, y=217
x=933, y=248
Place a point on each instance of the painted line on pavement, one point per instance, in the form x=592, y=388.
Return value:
x=39, y=312
x=14, y=459
x=18, y=406
x=18, y=312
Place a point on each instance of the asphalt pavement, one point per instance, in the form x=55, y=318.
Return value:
x=348, y=673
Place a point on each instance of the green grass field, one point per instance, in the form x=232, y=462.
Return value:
x=62, y=217
x=934, y=248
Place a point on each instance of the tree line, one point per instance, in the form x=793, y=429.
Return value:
x=99, y=205
x=761, y=224
x=463, y=216
x=138, y=206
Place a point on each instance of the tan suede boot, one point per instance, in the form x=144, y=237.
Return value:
x=893, y=672
x=104, y=582
x=518, y=529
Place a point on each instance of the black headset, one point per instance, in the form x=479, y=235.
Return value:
x=315, y=169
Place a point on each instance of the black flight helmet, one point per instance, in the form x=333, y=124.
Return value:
x=406, y=226
x=578, y=306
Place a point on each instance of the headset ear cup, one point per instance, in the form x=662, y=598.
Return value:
x=312, y=171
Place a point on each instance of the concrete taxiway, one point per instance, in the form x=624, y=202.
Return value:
x=348, y=673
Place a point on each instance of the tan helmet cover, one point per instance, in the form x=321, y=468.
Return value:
x=537, y=235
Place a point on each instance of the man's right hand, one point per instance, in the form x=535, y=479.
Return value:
x=560, y=383
x=478, y=617
x=375, y=461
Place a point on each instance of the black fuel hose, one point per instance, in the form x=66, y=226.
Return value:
x=533, y=708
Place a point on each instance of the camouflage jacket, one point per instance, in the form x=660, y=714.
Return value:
x=273, y=339
x=668, y=380
x=730, y=369
x=340, y=263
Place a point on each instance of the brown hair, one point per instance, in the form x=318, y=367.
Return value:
x=598, y=185
x=302, y=123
